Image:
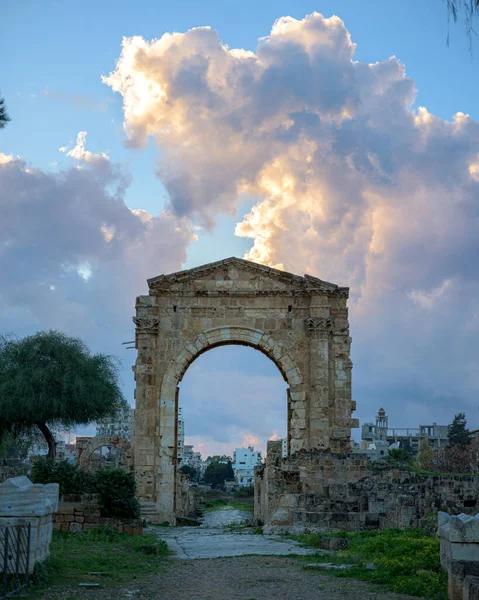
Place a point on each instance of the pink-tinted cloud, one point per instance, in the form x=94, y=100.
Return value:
x=353, y=184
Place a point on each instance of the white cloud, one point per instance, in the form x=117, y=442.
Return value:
x=352, y=184
x=73, y=256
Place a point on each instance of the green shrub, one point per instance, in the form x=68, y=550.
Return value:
x=116, y=489
x=70, y=478
x=245, y=492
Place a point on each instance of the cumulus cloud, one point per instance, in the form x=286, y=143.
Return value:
x=352, y=183
x=73, y=256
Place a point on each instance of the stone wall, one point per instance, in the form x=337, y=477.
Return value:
x=14, y=469
x=186, y=503
x=75, y=517
x=23, y=503
x=314, y=490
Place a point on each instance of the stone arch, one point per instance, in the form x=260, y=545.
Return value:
x=86, y=447
x=299, y=322
x=220, y=336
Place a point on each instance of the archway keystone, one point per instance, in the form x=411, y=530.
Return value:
x=300, y=323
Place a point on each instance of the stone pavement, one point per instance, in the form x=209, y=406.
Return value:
x=204, y=542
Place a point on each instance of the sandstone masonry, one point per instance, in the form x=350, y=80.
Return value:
x=301, y=323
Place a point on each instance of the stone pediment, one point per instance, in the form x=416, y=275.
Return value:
x=239, y=275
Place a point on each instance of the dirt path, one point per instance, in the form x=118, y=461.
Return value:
x=239, y=578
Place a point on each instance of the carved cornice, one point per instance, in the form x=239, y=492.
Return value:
x=146, y=324
x=319, y=324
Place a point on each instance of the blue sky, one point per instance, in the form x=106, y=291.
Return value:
x=58, y=51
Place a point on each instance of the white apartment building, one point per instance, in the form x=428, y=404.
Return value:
x=244, y=462
x=118, y=423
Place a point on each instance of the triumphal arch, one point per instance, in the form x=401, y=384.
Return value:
x=299, y=322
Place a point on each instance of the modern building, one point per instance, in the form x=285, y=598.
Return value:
x=118, y=423
x=244, y=462
x=191, y=458
x=407, y=438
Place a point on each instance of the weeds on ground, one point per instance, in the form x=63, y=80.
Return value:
x=219, y=503
x=405, y=561
x=100, y=555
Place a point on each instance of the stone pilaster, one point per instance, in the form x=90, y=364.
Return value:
x=319, y=333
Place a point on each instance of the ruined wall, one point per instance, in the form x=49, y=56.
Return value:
x=317, y=489
x=81, y=516
x=301, y=323
x=185, y=499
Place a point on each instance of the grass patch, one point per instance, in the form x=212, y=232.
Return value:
x=405, y=561
x=220, y=503
x=99, y=555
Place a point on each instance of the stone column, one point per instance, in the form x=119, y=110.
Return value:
x=319, y=332
x=459, y=552
x=146, y=411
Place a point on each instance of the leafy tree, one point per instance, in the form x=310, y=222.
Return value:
x=471, y=10
x=457, y=432
x=458, y=459
x=425, y=457
x=191, y=471
x=216, y=473
x=218, y=458
x=4, y=118
x=49, y=379
x=399, y=457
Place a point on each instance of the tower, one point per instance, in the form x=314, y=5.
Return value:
x=381, y=425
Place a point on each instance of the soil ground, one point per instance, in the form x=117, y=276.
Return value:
x=236, y=578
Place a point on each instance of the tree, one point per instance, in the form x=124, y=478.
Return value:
x=52, y=380
x=457, y=432
x=4, y=118
x=399, y=457
x=471, y=9
x=425, y=456
x=191, y=471
x=216, y=473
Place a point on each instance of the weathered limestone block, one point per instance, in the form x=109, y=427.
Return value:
x=300, y=323
x=459, y=550
x=470, y=590
x=23, y=503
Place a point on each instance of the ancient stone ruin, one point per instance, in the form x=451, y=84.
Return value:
x=301, y=324
x=25, y=504
x=86, y=447
x=460, y=554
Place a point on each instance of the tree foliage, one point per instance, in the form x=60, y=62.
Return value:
x=399, y=457
x=458, y=459
x=191, y=471
x=217, y=472
x=49, y=379
x=457, y=432
x=425, y=457
x=4, y=118
x=115, y=488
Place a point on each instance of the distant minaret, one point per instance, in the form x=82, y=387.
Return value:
x=381, y=425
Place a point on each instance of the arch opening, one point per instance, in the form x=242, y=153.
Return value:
x=231, y=397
